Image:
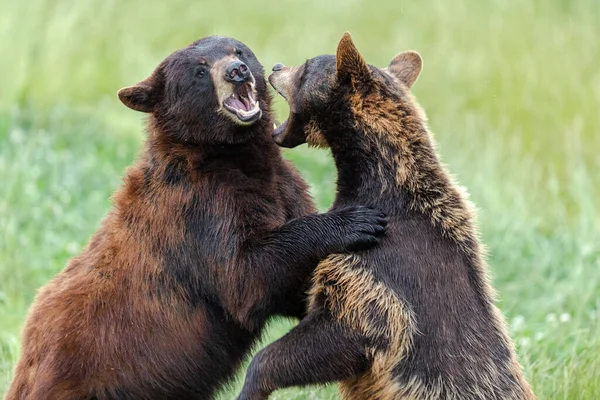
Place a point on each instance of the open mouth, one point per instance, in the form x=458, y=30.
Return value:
x=278, y=132
x=243, y=105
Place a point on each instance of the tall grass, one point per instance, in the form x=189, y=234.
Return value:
x=511, y=87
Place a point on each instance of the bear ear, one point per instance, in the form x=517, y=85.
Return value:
x=406, y=66
x=350, y=63
x=143, y=96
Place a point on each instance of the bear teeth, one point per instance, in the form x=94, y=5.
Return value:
x=242, y=103
x=252, y=111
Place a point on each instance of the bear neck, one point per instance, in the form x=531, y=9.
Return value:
x=398, y=171
x=258, y=156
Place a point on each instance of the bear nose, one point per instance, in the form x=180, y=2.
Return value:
x=277, y=67
x=237, y=71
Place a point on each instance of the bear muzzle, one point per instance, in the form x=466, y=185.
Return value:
x=243, y=104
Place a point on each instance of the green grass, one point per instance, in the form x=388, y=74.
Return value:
x=512, y=90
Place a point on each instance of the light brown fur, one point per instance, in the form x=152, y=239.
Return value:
x=356, y=290
x=410, y=154
x=451, y=211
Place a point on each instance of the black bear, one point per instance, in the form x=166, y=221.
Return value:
x=211, y=233
x=413, y=318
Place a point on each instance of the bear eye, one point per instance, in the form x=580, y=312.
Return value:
x=200, y=73
x=238, y=52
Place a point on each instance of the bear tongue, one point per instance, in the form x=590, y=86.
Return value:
x=246, y=102
x=238, y=102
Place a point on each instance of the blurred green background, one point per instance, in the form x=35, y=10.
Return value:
x=511, y=88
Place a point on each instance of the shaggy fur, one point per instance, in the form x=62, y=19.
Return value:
x=413, y=318
x=211, y=233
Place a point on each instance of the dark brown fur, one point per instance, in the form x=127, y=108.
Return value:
x=413, y=318
x=211, y=233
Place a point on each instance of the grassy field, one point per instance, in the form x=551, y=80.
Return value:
x=512, y=90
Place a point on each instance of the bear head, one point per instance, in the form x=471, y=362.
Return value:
x=211, y=91
x=330, y=91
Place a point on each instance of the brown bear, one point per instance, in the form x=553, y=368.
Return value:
x=211, y=233
x=413, y=318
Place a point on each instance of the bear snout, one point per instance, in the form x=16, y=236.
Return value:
x=238, y=72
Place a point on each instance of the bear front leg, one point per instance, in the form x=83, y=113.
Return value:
x=318, y=351
x=276, y=265
x=313, y=237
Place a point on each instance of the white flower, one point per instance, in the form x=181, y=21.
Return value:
x=564, y=317
x=517, y=322
x=524, y=341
